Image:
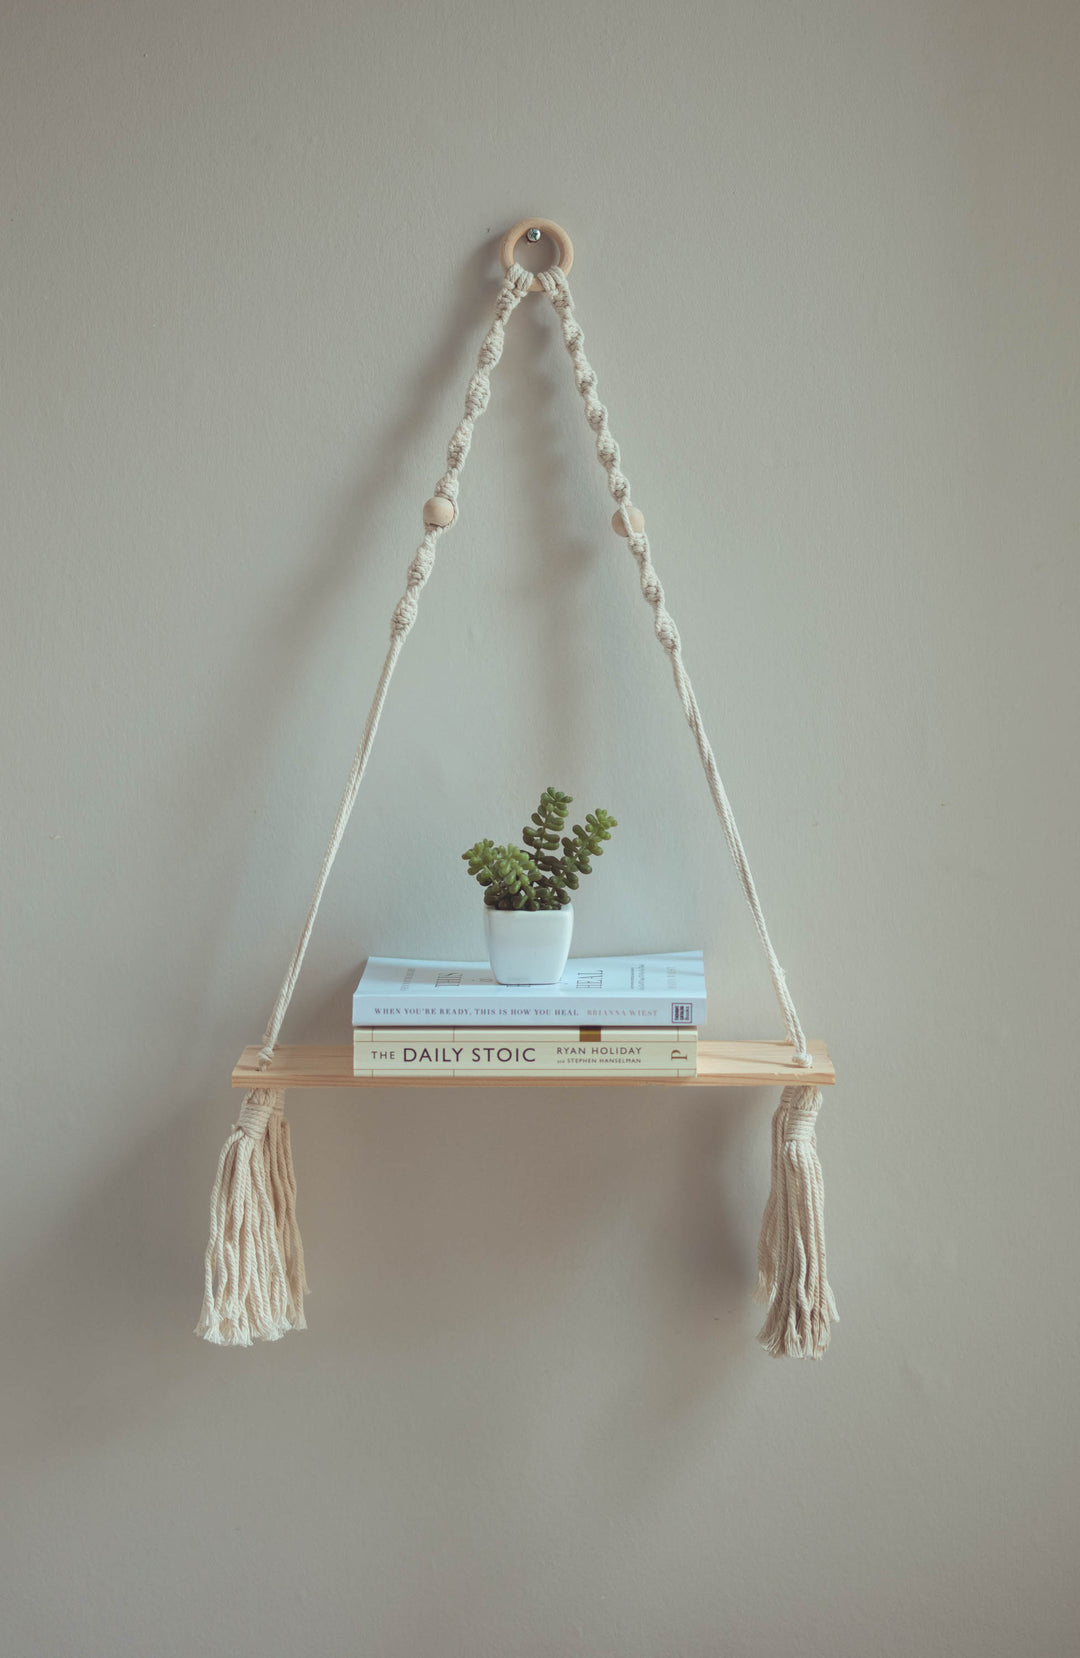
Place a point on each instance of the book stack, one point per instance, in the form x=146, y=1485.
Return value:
x=618, y=1015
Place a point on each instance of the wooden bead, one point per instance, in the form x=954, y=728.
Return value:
x=637, y=521
x=439, y=512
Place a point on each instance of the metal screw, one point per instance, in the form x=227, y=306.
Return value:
x=532, y=235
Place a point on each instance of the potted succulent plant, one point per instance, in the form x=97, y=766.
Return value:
x=528, y=913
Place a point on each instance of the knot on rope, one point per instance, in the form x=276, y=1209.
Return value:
x=667, y=632
x=256, y=1111
x=518, y=282
x=650, y=586
x=422, y=565
x=404, y=616
x=476, y=395
x=802, y=1115
x=490, y=352
x=554, y=282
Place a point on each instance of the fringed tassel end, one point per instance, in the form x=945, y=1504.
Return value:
x=791, y=1255
x=255, y=1283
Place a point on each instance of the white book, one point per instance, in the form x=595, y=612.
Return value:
x=448, y=1050
x=666, y=989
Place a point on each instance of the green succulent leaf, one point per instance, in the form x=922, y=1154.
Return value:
x=541, y=874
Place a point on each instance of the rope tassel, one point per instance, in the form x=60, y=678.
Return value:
x=255, y=1282
x=791, y=1254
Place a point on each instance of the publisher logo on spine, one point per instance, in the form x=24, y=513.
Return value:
x=682, y=1013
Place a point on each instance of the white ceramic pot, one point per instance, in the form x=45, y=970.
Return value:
x=528, y=946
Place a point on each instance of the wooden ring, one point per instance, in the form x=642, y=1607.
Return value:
x=549, y=228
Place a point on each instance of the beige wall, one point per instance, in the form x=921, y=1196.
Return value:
x=827, y=267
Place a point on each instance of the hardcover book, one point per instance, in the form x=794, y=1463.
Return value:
x=657, y=990
x=448, y=1050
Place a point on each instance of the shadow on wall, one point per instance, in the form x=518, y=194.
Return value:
x=589, y=1230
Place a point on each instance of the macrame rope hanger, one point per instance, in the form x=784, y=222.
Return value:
x=254, y=1282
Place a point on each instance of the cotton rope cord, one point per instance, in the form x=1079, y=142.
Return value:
x=792, y=1276
x=254, y=1271
x=477, y=394
x=557, y=289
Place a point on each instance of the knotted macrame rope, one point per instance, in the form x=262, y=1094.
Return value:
x=254, y=1281
x=791, y=1255
x=254, y=1276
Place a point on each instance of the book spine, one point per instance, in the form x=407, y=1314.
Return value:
x=442, y=1052
x=623, y=1010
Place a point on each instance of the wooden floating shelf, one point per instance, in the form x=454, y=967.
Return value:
x=720, y=1065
